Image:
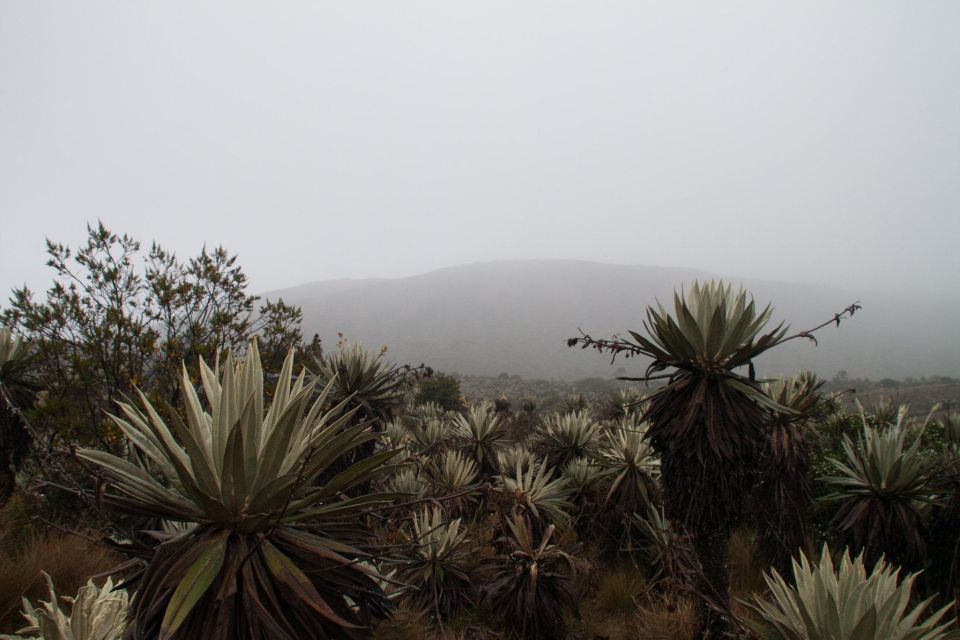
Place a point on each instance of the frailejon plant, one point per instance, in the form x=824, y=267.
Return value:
x=436, y=562
x=943, y=549
x=536, y=493
x=708, y=421
x=96, y=613
x=633, y=468
x=846, y=601
x=428, y=411
x=482, y=434
x=622, y=403
x=271, y=554
x=365, y=381
x=633, y=464
x=675, y=567
x=454, y=479
x=366, y=384
x=786, y=499
x=530, y=585
x=17, y=387
x=509, y=458
x=429, y=437
x=950, y=425
x=395, y=435
x=883, y=489
x=585, y=478
x=563, y=437
x=408, y=483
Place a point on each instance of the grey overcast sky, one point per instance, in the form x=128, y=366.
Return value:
x=813, y=141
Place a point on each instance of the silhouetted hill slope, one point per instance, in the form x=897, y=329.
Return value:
x=514, y=317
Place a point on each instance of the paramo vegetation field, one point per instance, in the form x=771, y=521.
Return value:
x=177, y=462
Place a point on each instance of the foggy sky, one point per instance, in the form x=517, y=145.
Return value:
x=810, y=141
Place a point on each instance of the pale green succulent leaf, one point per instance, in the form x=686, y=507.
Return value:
x=300, y=585
x=136, y=481
x=195, y=583
x=846, y=602
x=200, y=462
x=355, y=505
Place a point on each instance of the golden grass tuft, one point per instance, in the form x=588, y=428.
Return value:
x=411, y=623
x=25, y=553
x=666, y=620
x=407, y=623
x=618, y=589
x=653, y=618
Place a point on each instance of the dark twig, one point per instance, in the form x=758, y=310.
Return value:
x=835, y=320
x=617, y=345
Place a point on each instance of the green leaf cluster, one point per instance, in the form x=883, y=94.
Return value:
x=883, y=488
x=847, y=601
x=272, y=551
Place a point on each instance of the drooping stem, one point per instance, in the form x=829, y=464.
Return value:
x=618, y=345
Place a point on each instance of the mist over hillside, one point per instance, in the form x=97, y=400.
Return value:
x=514, y=317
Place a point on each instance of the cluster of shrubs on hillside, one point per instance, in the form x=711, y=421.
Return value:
x=541, y=395
x=337, y=495
x=921, y=394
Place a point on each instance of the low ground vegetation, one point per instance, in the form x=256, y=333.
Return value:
x=525, y=547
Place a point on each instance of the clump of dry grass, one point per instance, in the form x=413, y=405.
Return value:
x=407, y=623
x=666, y=619
x=412, y=623
x=618, y=589
x=652, y=618
x=25, y=553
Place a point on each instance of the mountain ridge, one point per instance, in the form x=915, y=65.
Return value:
x=514, y=316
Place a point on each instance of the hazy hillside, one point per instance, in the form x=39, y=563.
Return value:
x=514, y=317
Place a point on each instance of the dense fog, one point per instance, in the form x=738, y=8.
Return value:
x=814, y=142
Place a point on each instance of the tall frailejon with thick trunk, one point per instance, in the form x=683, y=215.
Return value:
x=710, y=439
x=709, y=422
